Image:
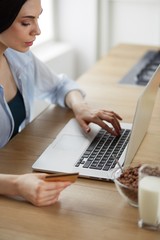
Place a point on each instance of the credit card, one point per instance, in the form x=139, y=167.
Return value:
x=62, y=177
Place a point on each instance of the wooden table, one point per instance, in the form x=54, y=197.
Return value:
x=89, y=209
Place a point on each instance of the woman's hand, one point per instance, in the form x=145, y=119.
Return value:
x=86, y=115
x=36, y=190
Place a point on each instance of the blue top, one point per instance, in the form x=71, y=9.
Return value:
x=34, y=80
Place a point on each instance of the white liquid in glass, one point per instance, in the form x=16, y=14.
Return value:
x=149, y=200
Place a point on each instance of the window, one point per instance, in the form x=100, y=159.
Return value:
x=46, y=22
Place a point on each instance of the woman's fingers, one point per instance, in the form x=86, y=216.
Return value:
x=101, y=118
x=49, y=193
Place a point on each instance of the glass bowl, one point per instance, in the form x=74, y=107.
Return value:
x=126, y=182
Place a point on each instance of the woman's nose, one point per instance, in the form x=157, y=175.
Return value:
x=36, y=30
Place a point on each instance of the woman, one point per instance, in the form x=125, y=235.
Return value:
x=22, y=79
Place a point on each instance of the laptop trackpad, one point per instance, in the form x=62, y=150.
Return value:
x=71, y=143
x=61, y=155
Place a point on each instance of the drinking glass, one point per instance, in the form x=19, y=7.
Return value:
x=149, y=196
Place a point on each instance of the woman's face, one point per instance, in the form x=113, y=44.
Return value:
x=23, y=31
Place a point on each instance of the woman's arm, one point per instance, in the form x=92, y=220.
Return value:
x=32, y=187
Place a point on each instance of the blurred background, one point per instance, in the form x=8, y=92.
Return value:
x=84, y=30
x=75, y=33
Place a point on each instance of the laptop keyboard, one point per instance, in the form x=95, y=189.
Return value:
x=100, y=154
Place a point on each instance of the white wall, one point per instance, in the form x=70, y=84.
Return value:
x=76, y=24
x=135, y=21
x=127, y=21
x=92, y=27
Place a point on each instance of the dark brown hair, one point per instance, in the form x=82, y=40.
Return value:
x=9, y=10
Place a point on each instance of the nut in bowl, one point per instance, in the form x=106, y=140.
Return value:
x=126, y=181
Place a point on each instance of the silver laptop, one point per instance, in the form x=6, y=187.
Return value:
x=75, y=151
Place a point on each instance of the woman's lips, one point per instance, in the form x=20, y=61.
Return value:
x=29, y=44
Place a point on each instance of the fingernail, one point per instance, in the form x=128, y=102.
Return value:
x=88, y=130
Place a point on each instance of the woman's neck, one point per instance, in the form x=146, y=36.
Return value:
x=2, y=50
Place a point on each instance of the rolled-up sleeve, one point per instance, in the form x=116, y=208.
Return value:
x=50, y=86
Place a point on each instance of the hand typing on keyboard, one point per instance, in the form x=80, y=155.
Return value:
x=86, y=115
